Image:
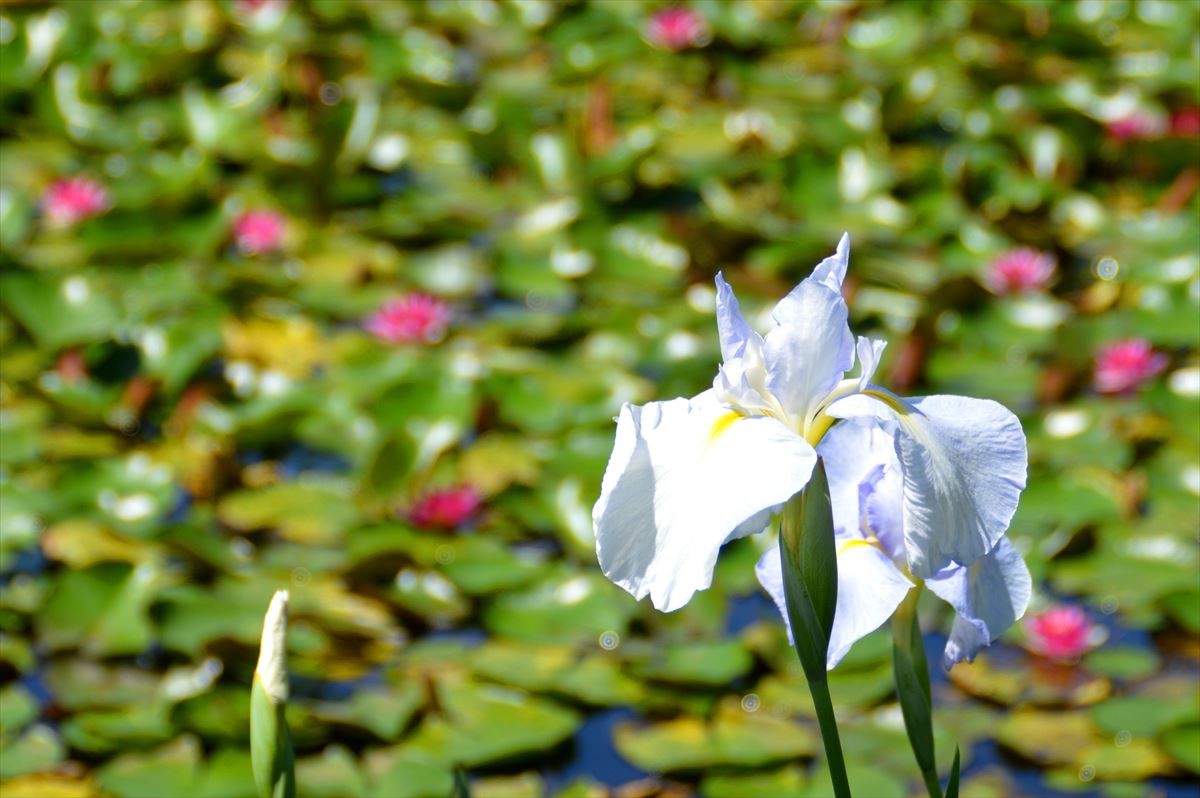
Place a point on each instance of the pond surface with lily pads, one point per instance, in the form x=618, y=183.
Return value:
x=343, y=297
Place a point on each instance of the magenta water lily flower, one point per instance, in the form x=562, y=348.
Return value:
x=449, y=508
x=258, y=231
x=676, y=28
x=922, y=489
x=73, y=199
x=1125, y=365
x=1019, y=271
x=1063, y=633
x=410, y=319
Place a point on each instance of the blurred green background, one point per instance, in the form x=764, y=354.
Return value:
x=191, y=417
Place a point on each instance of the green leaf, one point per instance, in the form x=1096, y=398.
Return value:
x=952, y=784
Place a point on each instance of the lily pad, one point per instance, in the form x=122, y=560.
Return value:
x=734, y=737
x=481, y=724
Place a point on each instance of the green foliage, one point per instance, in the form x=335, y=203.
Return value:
x=186, y=425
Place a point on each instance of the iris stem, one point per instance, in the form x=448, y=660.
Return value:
x=819, y=688
x=912, y=685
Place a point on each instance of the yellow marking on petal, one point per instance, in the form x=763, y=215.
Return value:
x=872, y=541
x=721, y=424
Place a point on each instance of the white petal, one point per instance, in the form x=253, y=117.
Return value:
x=989, y=596
x=964, y=464
x=810, y=348
x=828, y=273
x=732, y=328
x=870, y=587
x=684, y=477
x=769, y=571
x=832, y=270
x=870, y=350
x=865, y=486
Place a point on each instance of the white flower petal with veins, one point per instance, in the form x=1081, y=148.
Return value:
x=683, y=477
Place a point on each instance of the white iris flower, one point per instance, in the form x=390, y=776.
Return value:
x=921, y=488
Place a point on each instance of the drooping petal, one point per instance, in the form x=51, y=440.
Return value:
x=683, y=477
x=809, y=349
x=870, y=350
x=964, y=466
x=731, y=326
x=870, y=587
x=865, y=487
x=989, y=596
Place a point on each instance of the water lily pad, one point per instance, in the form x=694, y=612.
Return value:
x=384, y=712
x=733, y=737
x=169, y=770
x=105, y=732
x=18, y=708
x=1144, y=716
x=331, y=774
x=1123, y=662
x=1183, y=744
x=769, y=784
x=593, y=679
x=716, y=663
x=1048, y=738
x=565, y=607
x=305, y=512
x=225, y=774
x=37, y=749
x=406, y=773
x=523, y=785
x=1121, y=760
x=482, y=723
x=104, y=608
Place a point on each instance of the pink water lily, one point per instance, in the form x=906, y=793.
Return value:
x=449, y=508
x=1019, y=271
x=1125, y=365
x=1063, y=633
x=410, y=319
x=73, y=199
x=676, y=28
x=1135, y=125
x=258, y=231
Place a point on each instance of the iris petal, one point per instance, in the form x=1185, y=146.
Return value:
x=870, y=350
x=870, y=587
x=683, y=478
x=865, y=488
x=731, y=326
x=989, y=596
x=964, y=465
x=809, y=349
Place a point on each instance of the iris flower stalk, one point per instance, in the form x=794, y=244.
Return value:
x=878, y=495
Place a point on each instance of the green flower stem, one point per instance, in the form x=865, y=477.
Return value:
x=829, y=735
x=809, y=560
x=911, y=672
